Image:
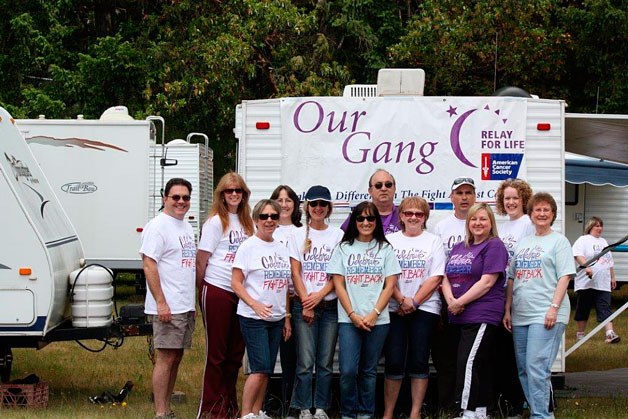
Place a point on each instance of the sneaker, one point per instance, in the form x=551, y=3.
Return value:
x=579, y=336
x=612, y=337
x=263, y=415
x=320, y=414
x=249, y=416
x=305, y=414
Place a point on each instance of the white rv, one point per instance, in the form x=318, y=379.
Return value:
x=108, y=174
x=39, y=248
x=425, y=142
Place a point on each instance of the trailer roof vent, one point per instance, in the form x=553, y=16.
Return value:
x=360, y=90
x=400, y=82
x=116, y=113
x=177, y=141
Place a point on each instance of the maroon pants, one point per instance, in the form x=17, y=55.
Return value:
x=224, y=349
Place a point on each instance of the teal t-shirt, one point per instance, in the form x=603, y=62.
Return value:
x=538, y=263
x=364, y=266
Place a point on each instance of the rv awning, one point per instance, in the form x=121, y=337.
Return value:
x=597, y=135
x=580, y=169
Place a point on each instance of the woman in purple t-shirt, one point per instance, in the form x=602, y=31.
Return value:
x=474, y=290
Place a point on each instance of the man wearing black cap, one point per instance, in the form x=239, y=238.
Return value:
x=451, y=230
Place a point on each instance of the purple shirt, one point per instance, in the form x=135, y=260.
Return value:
x=465, y=267
x=390, y=222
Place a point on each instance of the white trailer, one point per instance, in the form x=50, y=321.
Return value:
x=39, y=249
x=109, y=173
x=425, y=142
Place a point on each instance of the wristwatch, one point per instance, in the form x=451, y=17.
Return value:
x=556, y=306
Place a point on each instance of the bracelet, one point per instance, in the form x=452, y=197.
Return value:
x=556, y=306
x=377, y=311
x=349, y=315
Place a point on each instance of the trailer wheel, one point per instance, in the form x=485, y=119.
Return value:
x=6, y=361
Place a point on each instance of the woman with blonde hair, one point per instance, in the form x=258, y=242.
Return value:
x=315, y=310
x=473, y=288
x=228, y=225
x=414, y=307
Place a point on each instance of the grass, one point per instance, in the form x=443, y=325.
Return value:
x=75, y=374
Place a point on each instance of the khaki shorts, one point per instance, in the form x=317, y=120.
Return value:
x=176, y=334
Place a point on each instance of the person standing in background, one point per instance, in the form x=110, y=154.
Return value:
x=594, y=283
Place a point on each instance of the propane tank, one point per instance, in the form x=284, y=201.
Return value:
x=92, y=299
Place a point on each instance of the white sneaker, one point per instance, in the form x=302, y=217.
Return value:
x=320, y=414
x=612, y=337
x=305, y=414
x=579, y=336
x=249, y=416
x=263, y=415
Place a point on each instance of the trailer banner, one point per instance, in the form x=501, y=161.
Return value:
x=423, y=142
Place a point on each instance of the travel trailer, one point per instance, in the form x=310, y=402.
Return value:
x=108, y=174
x=424, y=141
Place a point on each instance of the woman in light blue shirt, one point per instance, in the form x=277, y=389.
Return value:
x=364, y=269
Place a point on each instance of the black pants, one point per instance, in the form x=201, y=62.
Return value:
x=476, y=357
x=444, y=353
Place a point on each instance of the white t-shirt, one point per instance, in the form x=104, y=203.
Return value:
x=266, y=268
x=588, y=246
x=314, y=262
x=365, y=267
x=420, y=257
x=283, y=234
x=170, y=242
x=223, y=247
x=451, y=230
x=512, y=231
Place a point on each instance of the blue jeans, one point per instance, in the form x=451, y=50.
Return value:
x=262, y=339
x=316, y=344
x=359, y=353
x=407, y=347
x=535, y=349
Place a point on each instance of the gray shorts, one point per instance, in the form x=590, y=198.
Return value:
x=176, y=334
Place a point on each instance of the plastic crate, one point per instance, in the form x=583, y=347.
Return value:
x=24, y=395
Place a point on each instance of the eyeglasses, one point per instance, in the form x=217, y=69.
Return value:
x=177, y=198
x=378, y=185
x=233, y=190
x=319, y=203
x=361, y=218
x=459, y=180
x=411, y=214
x=274, y=216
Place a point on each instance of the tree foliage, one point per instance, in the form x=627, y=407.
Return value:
x=193, y=61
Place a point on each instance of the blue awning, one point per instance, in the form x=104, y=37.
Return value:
x=596, y=172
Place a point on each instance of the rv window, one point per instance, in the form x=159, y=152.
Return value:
x=571, y=194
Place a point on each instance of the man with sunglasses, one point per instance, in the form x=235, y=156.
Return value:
x=382, y=189
x=168, y=252
x=451, y=230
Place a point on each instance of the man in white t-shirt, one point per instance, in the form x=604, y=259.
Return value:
x=451, y=230
x=169, y=257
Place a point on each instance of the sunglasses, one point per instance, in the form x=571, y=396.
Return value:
x=177, y=198
x=411, y=214
x=233, y=190
x=460, y=180
x=319, y=203
x=378, y=185
x=274, y=216
x=361, y=218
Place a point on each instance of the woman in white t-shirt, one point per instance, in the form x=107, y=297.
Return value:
x=289, y=222
x=414, y=307
x=511, y=199
x=364, y=269
x=260, y=278
x=228, y=225
x=315, y=310
x=593, y=284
